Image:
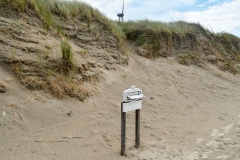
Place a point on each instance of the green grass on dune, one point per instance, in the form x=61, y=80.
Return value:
x=46, y=9
x=155, y=34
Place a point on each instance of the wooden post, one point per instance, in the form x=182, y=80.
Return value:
x=137, y=129
x=123, y=130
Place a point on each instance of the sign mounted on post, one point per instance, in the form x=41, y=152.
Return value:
x=131, y=106
x=132, y=100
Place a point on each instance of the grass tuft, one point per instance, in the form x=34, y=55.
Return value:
x=67, y=52
x=43, y=9
x=228, y=66
x=68, y=66
x=189, y=58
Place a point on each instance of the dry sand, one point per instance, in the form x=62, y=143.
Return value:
x=195, y=114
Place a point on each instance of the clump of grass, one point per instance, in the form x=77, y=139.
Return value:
x=44, y=77
x=118, y=32
x=148, y=33
x=125, y=75
x=228, y=37
x=43, y=9
x=230, y=42
x=189, y=58
x=228, y=66
x=67, y=57
x=66, y=51
x=19, y=5
x=155, y=35
x=155, y=40
x=237, y=58
x=60, y=31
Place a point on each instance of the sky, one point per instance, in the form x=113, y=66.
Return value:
x=216, y=15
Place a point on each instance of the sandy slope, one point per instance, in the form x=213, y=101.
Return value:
x=195, y=114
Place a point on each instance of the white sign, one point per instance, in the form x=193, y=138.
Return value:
x=131, y=106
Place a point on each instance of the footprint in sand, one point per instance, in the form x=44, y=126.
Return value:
x=194, y=155
x=153, y=146
x=206, y=154
x=222, y=157
x=107, y=140
x=216, y=133
x=219, y=144
x=227, y=128
x=213, y=143
x=149, y=154
x=199, y=140
x=225, y=139
x=156, y=137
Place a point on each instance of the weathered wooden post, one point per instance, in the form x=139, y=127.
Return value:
x=137, y=129
x=123, y=130
x=132, y=100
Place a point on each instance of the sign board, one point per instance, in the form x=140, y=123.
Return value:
x=132, y=105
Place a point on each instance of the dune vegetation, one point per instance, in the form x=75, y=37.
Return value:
x=190, y=42
x=47, y=9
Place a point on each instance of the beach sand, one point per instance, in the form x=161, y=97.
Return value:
x=195, y=114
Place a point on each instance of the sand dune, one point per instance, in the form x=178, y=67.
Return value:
x=195, y=114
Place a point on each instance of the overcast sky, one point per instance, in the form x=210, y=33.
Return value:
x=221, y=15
